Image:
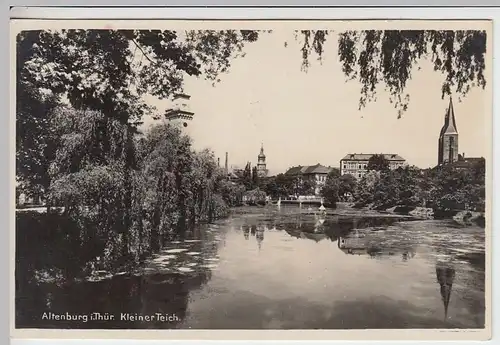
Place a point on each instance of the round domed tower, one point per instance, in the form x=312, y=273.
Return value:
x=261, y=163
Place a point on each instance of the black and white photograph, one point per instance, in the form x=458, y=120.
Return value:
x=177, y=175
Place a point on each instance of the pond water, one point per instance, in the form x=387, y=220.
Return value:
x=270, y=268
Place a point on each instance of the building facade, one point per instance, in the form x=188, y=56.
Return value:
x=180, y=114
x=448, y=138
x=316, y=173
x=356, y=164
x=466, y=163
x=261, y=163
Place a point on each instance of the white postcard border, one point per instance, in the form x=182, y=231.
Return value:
x=297, y=335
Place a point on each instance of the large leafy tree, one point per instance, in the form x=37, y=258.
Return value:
x=365, y=188
x=280, y=186
x=108, y=71
x=331, y=190
x=347, y=184
x=305, y=186
x=386, y=59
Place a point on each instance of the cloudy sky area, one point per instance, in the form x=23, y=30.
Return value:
x=308, y=118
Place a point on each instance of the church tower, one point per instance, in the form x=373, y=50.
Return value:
x=448, y=138
x=261, y=163
x=180, y=114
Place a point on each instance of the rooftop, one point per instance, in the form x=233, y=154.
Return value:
x=181, y=95
x=309, y=169
x=367, y=156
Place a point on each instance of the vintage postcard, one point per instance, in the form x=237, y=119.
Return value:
x=247, y=179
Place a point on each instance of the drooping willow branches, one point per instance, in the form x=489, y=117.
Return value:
x=387, y=58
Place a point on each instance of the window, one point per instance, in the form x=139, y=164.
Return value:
x=359, y=175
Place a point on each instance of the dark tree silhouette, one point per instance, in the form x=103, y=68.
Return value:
x=378, y=162
x=255, y=177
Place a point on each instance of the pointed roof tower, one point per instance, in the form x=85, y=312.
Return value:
x=450, y=126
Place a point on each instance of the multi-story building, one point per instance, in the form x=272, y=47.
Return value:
x=316, y=173
x=356, y=164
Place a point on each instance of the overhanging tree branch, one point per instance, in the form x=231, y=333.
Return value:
x=144, y=53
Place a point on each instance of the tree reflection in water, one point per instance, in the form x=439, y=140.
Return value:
x=162, y=286
x=246, y=231
x=260, y=235
x=167, y=290
x=165, y=293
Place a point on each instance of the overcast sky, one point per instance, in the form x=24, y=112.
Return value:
x=308, y=118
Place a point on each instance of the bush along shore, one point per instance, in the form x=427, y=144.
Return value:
x=110, y=207
x=443, y=192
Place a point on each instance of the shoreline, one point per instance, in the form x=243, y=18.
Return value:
x=461, y=217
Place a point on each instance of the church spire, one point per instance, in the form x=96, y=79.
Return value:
x=451, y=125
x=448, y=138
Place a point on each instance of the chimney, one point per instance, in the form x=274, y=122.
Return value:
x=225, y=166
x=218, y=161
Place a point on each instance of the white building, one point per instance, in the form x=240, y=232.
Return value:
x=356, y=164
x=316, y=173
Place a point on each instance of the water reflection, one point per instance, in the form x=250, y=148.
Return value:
x=255, y=230
x=246, y=231
x=355, y=245
x=333, y=227
x=312, y=228
x=313, y=271
x=116, y=301
x=161, y=287
x=260, y=235
x=360, y=244
x=445, y=273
